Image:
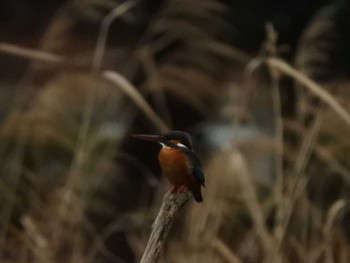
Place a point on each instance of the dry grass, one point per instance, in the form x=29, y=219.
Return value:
x=70, y=191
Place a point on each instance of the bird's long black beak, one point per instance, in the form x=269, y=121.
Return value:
x=148, y=137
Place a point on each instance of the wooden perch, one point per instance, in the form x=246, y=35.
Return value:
x=162, y=225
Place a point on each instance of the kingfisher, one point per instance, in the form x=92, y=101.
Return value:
x=178, y=161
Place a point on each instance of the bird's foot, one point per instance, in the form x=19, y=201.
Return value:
x=173, y=189
x=182, y=188
x=178, y=189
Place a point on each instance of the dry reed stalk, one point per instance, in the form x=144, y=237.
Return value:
x=136, y=97
x=297, y=186
x=103, y=33
x=32, y=54
x=80, y=154
x=308, y=143
x=225, y=251
x=333, y=214
x=271, y=50
x=155, y=84
x=312, y=86
x=250, y=198
x=172, y=203
x=326, y=156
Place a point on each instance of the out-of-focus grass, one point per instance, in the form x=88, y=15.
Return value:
x=71, y=190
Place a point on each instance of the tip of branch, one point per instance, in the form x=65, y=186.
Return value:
x=176, y=199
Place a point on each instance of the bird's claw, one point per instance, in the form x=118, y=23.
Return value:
x=179, y=189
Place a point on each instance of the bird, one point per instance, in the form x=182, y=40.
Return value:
x=178, y=162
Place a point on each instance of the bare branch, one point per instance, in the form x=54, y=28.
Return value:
x=162, y=225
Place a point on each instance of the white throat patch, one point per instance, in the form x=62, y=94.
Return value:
x=164, y=146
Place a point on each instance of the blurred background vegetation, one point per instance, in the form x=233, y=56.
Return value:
x=78, y=77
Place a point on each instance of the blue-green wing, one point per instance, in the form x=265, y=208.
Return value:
x=196, y=166
x=199, y=175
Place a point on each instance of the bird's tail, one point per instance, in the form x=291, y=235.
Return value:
x=197, y=193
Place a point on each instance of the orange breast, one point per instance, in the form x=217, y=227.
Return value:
x=175, y=166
